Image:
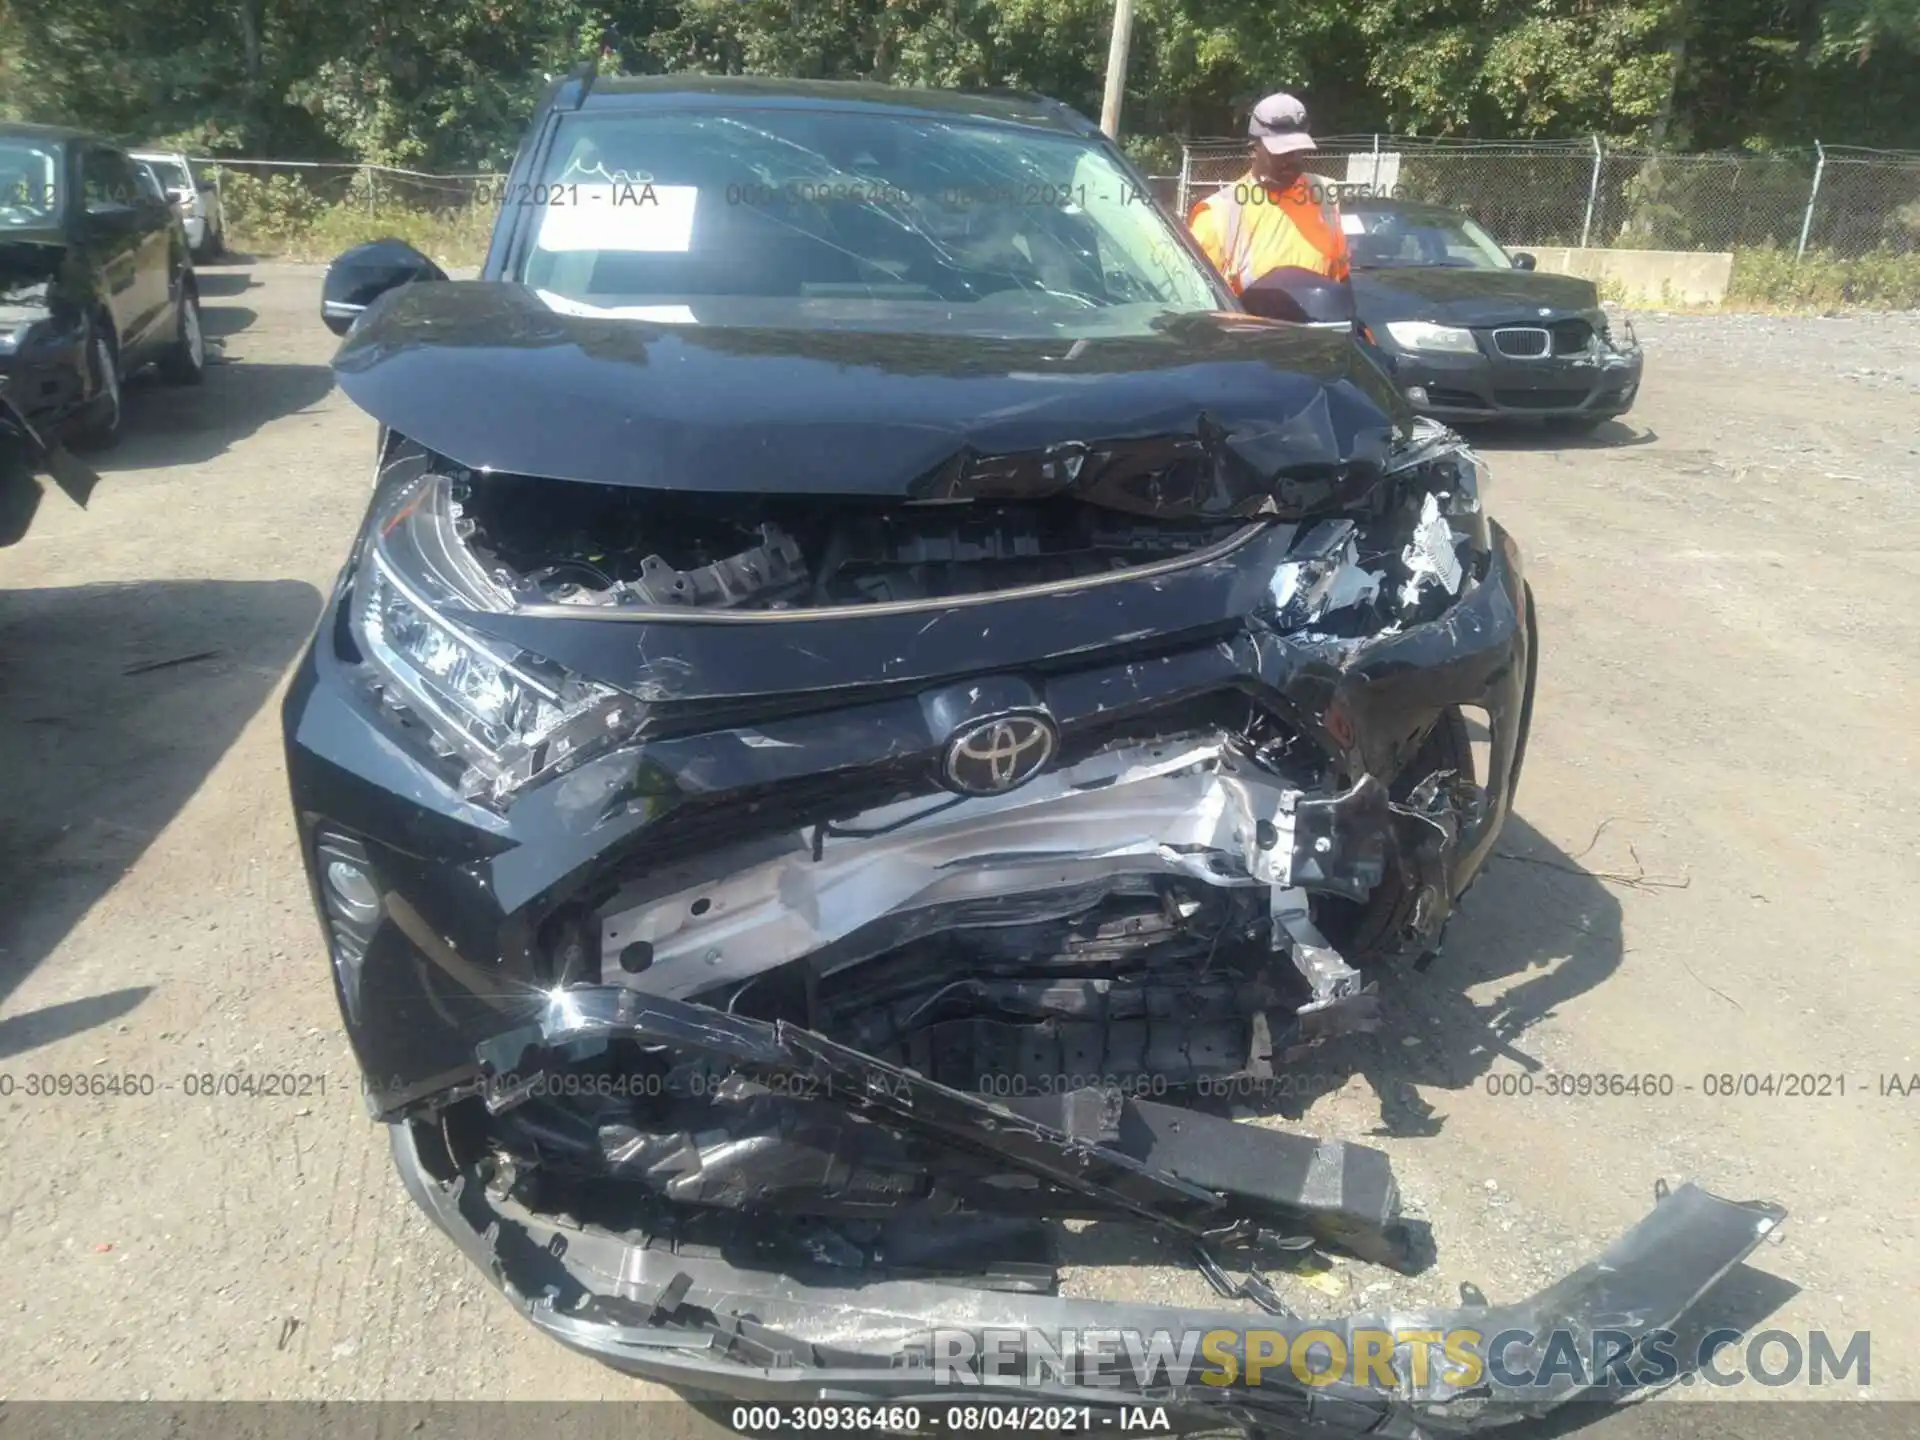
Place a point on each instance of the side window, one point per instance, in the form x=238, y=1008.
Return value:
x=107, y=180
x=149, y=183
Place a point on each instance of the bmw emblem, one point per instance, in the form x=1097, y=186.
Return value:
x=990, y=757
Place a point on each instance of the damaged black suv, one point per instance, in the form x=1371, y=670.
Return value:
x=867, y=679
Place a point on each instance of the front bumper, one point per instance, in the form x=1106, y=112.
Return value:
x=1483, y=387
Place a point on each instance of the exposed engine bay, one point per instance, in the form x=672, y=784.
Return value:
x=601, y=546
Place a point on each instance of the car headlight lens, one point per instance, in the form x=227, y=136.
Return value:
x=1440, y=461
x=1435, y=339
x=512, y=716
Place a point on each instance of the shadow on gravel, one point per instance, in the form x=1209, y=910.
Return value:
x=1537, y=924
x=21, y=1033
x=219, y=283
x=219, y=321
x=1538, y=435
x=116, y=701
x=189, y=425
x=1538, y=927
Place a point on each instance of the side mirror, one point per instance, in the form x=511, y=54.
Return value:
x=363, y=274
x=179, y=196
x=1523, y=261
x=1273, y=305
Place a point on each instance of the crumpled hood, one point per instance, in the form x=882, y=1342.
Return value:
x=1208, y=414
x=1459, y=296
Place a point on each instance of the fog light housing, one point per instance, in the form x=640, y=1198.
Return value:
x=1416, y=394
x=351, y=896
x=353, y=890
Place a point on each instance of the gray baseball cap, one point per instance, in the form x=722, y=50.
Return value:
x=1279, y=122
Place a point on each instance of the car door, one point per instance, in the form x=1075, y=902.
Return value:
x=129, y=234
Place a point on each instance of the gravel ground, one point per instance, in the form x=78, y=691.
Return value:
x=1713, y=869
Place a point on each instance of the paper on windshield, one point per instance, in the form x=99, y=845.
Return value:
x=659, y=314
x=618, y=217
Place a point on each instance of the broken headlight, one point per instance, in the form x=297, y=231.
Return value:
x=512, y=716
x=1616, y=332
x=1451, y=539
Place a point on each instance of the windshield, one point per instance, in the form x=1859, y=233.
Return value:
x=171, y=174
x=29, y=182
x=1380, y=239
x=837, y=218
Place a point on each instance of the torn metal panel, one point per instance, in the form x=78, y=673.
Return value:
x=41, y=451
x=1033, y=853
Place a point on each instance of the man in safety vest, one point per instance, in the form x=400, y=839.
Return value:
x=1276, y=215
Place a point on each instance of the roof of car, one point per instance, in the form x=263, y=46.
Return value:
x=45, y=134
x=634, y=92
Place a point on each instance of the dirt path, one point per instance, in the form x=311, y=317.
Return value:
x=1728, y=684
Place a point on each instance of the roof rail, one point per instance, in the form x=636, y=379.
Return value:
x=586, y=72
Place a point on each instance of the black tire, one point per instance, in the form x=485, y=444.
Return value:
x=1366, y=932
x=98, y=424
x=185, y=360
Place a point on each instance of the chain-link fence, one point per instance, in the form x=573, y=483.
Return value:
x=312, y=209
x=1840, y=199
x=371, y=186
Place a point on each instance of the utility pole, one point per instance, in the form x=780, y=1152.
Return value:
x=1117, y=68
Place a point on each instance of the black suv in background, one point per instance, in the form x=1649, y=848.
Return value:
x=95, y=283
x=95, y=280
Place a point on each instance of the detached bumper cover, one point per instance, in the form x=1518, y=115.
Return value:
x=29, y=446
x=705, y=1317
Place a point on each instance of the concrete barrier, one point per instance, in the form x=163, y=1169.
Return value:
x=1673, y=277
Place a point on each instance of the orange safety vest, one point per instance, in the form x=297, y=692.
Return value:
x=1249, y=229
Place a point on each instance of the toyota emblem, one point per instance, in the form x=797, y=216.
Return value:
x=990, y=757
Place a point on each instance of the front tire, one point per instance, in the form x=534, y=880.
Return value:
x=185, y=362
x=1367, y=932
x=99, y=423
